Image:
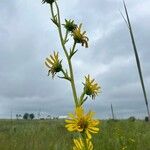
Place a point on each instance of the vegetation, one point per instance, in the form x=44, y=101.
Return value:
x=28, y=116
x=127, y=20
x=79, y=121
x=52, y=135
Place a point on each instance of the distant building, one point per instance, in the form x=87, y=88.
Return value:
x=62, y=117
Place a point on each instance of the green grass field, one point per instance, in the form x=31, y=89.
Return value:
x=51, y=135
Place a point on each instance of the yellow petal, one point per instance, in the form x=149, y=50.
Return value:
x=79, y=112
x=88, y=134
x=70, y=121
x=49, y=61
x=94, y=129
x=47, y=65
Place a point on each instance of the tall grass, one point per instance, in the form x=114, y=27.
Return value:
x=52, y=135
x=127, y=20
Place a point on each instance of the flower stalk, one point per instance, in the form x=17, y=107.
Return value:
x=79, y=121
x=63, y=41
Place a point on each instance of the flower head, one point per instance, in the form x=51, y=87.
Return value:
x=83, y=123
x=48, y=1
x=70, y=25
x=54, y=64
x=91, y=88
x=79, y=144
x=79, y=37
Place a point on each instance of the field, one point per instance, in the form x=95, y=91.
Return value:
x=51, y=135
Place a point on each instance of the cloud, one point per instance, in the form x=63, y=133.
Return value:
x=27, y=36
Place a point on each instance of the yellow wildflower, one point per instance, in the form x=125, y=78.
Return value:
x=91, y=88
x=83, y=123
x=80, y=145
x=54, y=64
x=80, y=37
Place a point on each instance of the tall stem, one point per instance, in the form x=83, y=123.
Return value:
x=84, y=141
x=66, y=54
x=72, y=77
x=137, y=60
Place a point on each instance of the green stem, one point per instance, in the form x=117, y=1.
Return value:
x=81, y=98
x=66, y=76
x=72, y=78
x=137, y=60
x=64, y=73
x=52, y=12
x=74, y=45
x=65, y=39
x=67, y=55
x=84, y=141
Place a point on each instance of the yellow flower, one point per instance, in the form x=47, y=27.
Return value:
x=54, y=64
x=91, y=88
x=83, y=123
x=80, y=145
x=80, y=37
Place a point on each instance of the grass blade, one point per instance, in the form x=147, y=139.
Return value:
x=137, y=58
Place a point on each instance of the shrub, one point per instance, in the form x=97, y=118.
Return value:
x=132, y=118
x=146, y=119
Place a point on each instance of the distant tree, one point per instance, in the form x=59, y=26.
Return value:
x=32, y=116
x=132, y=118
x=146, y=119
x=17, y=116
x=26, y=116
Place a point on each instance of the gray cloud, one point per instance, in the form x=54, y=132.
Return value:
x=27, y=36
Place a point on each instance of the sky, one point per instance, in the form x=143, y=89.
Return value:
x=27, y=37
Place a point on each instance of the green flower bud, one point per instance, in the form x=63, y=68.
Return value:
x=69, y=25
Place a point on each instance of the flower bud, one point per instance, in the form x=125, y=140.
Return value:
x=69, y=25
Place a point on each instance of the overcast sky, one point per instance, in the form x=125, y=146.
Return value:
x=27, y=37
